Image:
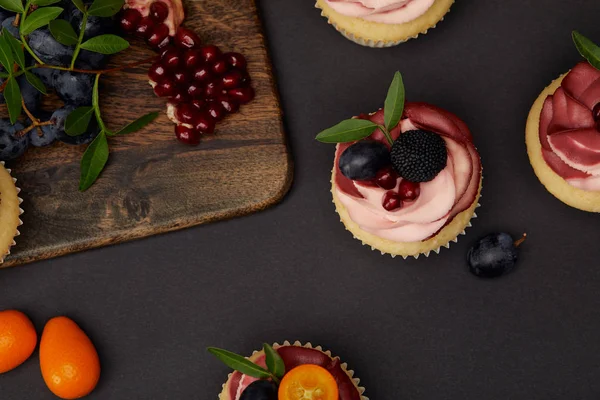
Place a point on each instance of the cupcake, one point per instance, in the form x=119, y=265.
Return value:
x=563, y=133
x=288, y=372
x=9, y=211
x=383, y=23
x=406, y=180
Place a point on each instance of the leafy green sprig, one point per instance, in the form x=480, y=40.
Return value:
x=354, y=129
x=588, y=49
x=275, y=366
x=36, y=14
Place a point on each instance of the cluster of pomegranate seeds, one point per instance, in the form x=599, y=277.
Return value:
x=202, y=83
x=393, y=200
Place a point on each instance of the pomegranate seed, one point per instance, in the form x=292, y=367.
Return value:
x=205, y=123
x=165, y=88
x=187, y=39
x=409, y=190
x=202, y=74
x=187, y=135
x=158, y=35
x=159, y=11
x=170, y=58
x=210, y=53
x=195, y=91
x=130, y=19
x=180, y=97
x=213, y=89
x=198, y=104
x=246, y=78
x=219, y=67
x=181, y=78
x=386, y=179
x=192, y=58
x=228, y=105
x=232, y=79
x=596, y=112
x=235, y=60
x=144, y=28
x=186, y=113
x=242, y=95
x=216, y=110
x=157, y=72
x=391, y=201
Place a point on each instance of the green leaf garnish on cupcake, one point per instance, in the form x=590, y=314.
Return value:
x=355, y=129
x=275, y=366
x=588, y=49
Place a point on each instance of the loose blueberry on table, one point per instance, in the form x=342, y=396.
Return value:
x=65, y=43
x=494, y=255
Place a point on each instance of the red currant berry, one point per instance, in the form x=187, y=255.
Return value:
x=158, y=35
x=186, y=113
x=202, y=74
x=171, y=58
x=198, y=104
x=242, y=95
x=210, y=53
x=144, y=28
x=157, y=72
x=159, y=11
x=130, y=19
x=391, y=201
x=232, y=79
x=186, y=38
x=408, y=190
x=205, y=123
x=213, y=89
x=165, y=88
x=235, y=60
x=195, y=90
x=181, y=78
x=386, y=178
x=216, y=110
x=219, y=67
x=187, y=135
x=228, y=105
x=180, y=97
x=192, y=58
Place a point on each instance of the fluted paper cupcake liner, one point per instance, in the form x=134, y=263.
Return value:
x=308, y=345
x=376, y=44
x=17, y=233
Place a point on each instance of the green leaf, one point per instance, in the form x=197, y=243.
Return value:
x=3, y=75
x=35, y=82
x=93, y=161
x=12, y=5
x=274, y=361
x=63, y=32
x=105, y=8
x=39, y=18
x=394, y=102
x=587, y=49
x=106, y=44
x=6, y=55
x=347, y=131
x=12, y=94
x=77, y=122
x=136, y=125
x=79, y=4
x=239, y=363
x=17, y=50
x=44, y=3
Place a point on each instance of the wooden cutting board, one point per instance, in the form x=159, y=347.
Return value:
x=153, y=183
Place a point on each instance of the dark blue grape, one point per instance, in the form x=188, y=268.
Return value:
x=363, y=160
x=47, y=75
x=11, y=145
x=59, y=117
x=494, y=255
x=260, y=390
x=74, y=88
x=91, y=60
x=48, y=49
x=48, y=133
x=5, y=14
x=8, y=23
x=31, y=95
x=94, y=26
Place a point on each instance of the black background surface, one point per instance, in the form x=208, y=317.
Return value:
x=418, y=329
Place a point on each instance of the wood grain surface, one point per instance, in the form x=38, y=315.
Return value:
x=153, y=183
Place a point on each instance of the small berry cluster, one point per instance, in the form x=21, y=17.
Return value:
x=387, y=178
x=201, y=83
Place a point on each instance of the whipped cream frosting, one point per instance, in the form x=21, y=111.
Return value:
x=382, y=11
x=452, y=191
x=569, y=135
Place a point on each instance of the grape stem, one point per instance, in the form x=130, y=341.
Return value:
x=521, y=240
x=35, y=123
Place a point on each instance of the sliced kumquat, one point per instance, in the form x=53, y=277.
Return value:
x=308, y=382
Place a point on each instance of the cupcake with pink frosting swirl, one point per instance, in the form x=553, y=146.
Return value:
x=563, y=132
x=406, y=179
x=383, y=23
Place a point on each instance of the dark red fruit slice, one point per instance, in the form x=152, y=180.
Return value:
x=129, y=20
x=242, y=95
x=158, y=34
x=232, y=79
x=187, y=135
x=186, y=38
x=210, y=53
x=159, y=11
x=235, y=60
x=144, y=28
x=205, y=123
